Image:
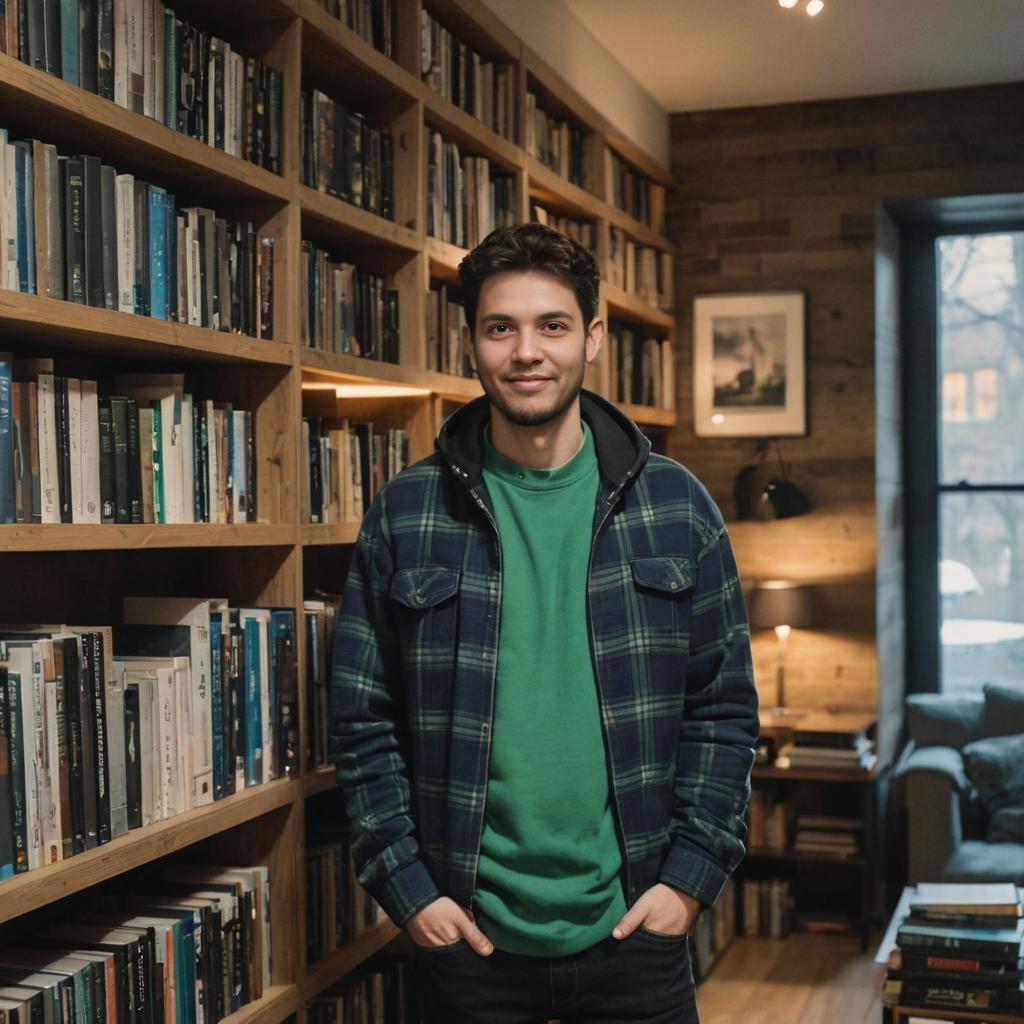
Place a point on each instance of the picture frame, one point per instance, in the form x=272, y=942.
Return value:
x=749, y=365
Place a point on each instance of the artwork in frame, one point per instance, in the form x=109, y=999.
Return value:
x=749, y=374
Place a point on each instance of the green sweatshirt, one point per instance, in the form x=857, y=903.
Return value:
x=549, y=879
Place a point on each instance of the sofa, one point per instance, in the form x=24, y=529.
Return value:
x=960, y=782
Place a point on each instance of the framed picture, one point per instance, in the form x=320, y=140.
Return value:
x=748, y=365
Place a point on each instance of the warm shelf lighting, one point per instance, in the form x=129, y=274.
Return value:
x=366, y=390
x=787, y=3
x=815, y=7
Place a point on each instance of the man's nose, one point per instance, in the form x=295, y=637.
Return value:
x=527, y=349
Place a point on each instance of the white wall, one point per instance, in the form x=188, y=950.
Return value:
x=558, y=37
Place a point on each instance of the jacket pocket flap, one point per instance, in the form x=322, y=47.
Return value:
x=672, y=574
x=424, y=587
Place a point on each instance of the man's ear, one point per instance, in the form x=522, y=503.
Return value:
x=467, y=346
x=595, y=339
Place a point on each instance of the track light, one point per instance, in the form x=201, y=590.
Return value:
x=815, y=7
x=787, y=3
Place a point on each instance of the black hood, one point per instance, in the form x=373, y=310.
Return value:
x=621, y=448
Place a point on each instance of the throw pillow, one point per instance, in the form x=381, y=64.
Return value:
x=934, y=720
x=1004, y=710
x=996, y=767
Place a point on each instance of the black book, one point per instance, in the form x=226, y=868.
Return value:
x=51, y=42
x=94, y=662
x=88, y=46
x=250, y=279
x=73, y=187
x=273, y=162
x=134, y=463
x=316, y=492
x=250, y=468
x=132, y=755
x=204, y=236
x=84, y=674
x=198, y=476
x=105, y=48
x=62, y=426
x=6, y=806
x=202, y=107
x=32, y=44
x=235, y=675
x=122, y=480
x=219, y=306
x=73, y=727
x=94, y=287
x=364, y=435
x=108, y=234
x=259, y=114
x=387, y=176
x=391, y=336
x=16, y=756
x=267, y=288
x=142, y=253
x=354, y=157
x=248, y=138
x=187, y=97
x=107, y=495
x=217, y=70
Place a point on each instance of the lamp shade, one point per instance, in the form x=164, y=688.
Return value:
x=781, y=603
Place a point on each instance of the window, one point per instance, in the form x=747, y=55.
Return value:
x=979, y=491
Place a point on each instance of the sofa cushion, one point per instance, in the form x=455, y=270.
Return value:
x=934, y=720
x=1004, y=710
x=996, y=767
x=1007, y=826
x=975, y=861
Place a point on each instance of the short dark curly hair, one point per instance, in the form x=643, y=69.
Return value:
x=530, y=247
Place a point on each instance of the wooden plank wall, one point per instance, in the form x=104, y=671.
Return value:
x=786, y=197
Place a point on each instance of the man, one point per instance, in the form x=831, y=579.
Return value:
x=543, y=705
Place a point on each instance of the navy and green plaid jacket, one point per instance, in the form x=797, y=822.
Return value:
x=415, y=658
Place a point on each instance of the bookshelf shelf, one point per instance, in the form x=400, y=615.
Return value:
x=142, y=536
x=55, y=322
x=351, y=224
x=338, y=368
x=551, y=189
x=336, y=965
x=315, y=534
x=648, y=416
x=639, y=231
x=632, y=307
x=318, y=780
x=79, y=120
x=52, y=882
x=444, y=259
x=469, y=133
x=277, y=1003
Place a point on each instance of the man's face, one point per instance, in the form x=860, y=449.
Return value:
x=532, y=345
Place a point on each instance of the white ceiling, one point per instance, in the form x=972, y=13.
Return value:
x=707, y=54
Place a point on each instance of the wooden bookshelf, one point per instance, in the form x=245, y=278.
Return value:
x=279, y=559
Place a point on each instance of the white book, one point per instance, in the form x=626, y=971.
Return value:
x=135, y=20
x=262, y=617
x=187, y=461
x=148, y=66
x=75, y=446
x=124, y=204
x=9, y=205
x=90, y=452
x=239, y=494
x=158, y=62
x=169, y=735
x=53, y=718
x=146, y=746
x=19, y=660
x=194, y=613
x=116, y=755
x=121, y=53
x=4, y=234
x=48, y=485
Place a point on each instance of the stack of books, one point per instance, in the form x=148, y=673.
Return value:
x=823, y=739
x=828, y=833
x=960, y=947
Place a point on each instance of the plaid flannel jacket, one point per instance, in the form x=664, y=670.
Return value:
x=416, y=647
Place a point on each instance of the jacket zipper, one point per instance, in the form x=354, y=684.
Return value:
x=600, y=696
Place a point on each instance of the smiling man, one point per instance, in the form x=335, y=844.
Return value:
x=543, y=706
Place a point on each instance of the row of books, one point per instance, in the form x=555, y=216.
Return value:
x=712, y=932
x=346, y=156
x=372, y=20
x=960, y=947
x=584, y=231
x=767, y=906
x=770, y=820
x=347, y=464
x=193, y=948
x=446, y=316
x=200, y=701
x=831, y=834
x=144, y=58
x=842, y=742
x=482, y=88
x=642, y=368
x=338, y=908
x=467, y=198
x=383, y=996
x=148, y=452
x=348, y=310
x=321, y=614
x=633, y=193
x=75, y=229
x=640, y=270
x=557, y=144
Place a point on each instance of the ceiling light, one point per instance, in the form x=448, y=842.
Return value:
x=815, y=7
x=787, y=3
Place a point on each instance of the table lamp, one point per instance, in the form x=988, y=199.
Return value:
x=781, y=605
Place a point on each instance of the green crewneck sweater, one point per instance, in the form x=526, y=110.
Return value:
x=549, y=879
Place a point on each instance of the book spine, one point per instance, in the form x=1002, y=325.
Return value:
x=16, y=754
x=253, y=705
x=74, y=229
x=157, y=253
x=106, y=444
x=73, y=725
x=76, y=486
x=132, y=757
x=86, y=671
x=125, y=234
x=88, y=46
x=69, y=38
x=114, y=719
x=98, y=708
x=108, y=236
x=62, y=424
x=119, y=432
x=7, y=437
x=105, y=48
x=217, y=705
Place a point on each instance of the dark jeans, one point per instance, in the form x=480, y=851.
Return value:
x=643, y=979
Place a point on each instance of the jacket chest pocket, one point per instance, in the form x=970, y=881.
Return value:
x=663, y=587
x=426, y=603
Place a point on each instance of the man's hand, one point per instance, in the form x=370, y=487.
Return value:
x=443, y=922
x=663, y=908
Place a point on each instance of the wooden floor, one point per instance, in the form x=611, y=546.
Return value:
x=805, y=979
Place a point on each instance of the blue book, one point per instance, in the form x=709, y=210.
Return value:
x=69, y=34
x=25, y=203
x=220, y=762
x=157, y=253
x=253, y=706
x=171, y=215
x=6, y=438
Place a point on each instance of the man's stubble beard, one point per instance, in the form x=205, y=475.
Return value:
x=534, y=417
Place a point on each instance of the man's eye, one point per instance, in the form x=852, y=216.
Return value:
x=500, y=328
x=554, y=325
